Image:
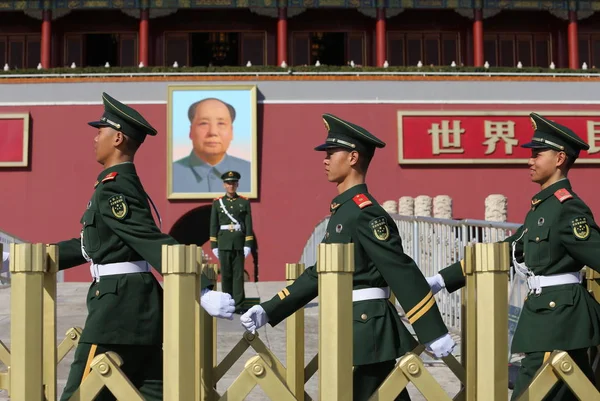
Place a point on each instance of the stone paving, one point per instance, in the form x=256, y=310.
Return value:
x=71, y=312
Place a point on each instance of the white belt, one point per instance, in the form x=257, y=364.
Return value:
x=235, y=227
x=536, y=283
x=365, y=294
x=109, y=269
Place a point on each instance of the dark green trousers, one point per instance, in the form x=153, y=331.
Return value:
x=368, y=378
x=232, y=275
x=142, y=364
x=560, y=392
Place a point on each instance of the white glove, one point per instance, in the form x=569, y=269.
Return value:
x=218, y=304
x=215, y=252
x=5, y=261
x=254, y=319
x=436, y=283
x=246, y=251
x=441, y=346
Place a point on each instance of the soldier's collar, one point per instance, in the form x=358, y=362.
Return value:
x=120, y=168
x=547, y=192
x=234, y=197
x=347, y=195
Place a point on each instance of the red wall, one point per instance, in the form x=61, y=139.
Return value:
x=44, y=202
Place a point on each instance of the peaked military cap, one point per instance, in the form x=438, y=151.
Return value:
x=231, y=176
x=344, y=134
x=550, y=135
x=123, y=118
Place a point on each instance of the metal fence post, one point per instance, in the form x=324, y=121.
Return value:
x=335, y=268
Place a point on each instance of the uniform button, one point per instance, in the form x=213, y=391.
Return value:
x=97, y=292
x=363, y=316
x=537, y=239
x=552, y=304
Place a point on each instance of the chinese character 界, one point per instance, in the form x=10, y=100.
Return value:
x=446, y=139
x=593, y=131
x=500, y=130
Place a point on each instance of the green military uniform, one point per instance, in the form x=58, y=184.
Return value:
x=125, y=311
x=379, y=335
x=231, y=232
x=559, y=237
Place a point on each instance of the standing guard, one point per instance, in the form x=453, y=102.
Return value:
x=231, y=237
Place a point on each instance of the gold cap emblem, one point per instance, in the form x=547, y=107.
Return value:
x=533, y=124
x=326, y=124
x=230, y=174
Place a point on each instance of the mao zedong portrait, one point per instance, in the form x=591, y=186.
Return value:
x=211, y=133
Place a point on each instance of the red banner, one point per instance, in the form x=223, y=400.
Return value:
x=14, y=140
x=484, y=137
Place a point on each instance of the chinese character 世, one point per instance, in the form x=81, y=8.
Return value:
x=500, y=130
x=446, y=139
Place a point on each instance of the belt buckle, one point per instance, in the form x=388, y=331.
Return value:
x=533, y=283
x=231, y=227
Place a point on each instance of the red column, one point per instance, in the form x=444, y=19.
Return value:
x=282, y=36
x=380, y=37
x=46, y=38
x=478, y=38
x=144, y=15
x=573, y=41
x=561, y=48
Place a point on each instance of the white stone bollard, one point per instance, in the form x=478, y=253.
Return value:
x=423, y=206
x=390, y=206
x=496, y=208
x=442, y=207
x=406, y=206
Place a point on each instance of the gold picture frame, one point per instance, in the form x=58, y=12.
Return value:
x=13, y=136
x=201, y=147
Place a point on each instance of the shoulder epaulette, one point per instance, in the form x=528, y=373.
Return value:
x=563, y=194
x=217, y=198
x=110, y=177
x=362, y=201
x=243, y=197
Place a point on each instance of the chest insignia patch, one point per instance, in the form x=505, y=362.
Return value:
x=581, y=229
x=380, y=228
x=338, y=228
x=118, y=206
x=541, y=221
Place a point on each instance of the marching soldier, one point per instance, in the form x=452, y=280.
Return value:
x=559, y=237
x=121, y=241
x=231, y=237
x=380, y=264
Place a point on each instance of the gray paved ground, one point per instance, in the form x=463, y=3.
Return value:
x=72, y=312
